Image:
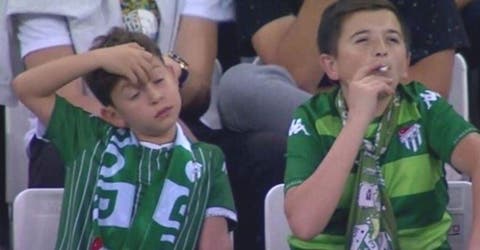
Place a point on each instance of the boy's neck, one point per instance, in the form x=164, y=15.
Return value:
x=167, y=137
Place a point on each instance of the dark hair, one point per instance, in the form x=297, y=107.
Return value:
x=335, y=14
x=101, y=82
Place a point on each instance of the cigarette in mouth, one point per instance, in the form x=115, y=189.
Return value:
x=383, y=68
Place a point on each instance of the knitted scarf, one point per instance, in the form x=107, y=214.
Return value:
x=157, y=201
x=371, y=223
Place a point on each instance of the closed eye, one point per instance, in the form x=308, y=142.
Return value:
x=361, y=40
x=394, y=40
x=158, y=81
x=134, y=95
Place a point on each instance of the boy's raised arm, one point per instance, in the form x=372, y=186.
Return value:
x=74, y=91
x=36, y=87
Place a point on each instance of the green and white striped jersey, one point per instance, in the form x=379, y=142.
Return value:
x=427, y=131
x=111, y=180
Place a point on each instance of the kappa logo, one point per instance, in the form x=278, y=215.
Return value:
x=429, y=96
x=297, y=127
x=411, y=137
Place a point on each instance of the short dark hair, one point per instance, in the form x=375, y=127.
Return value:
x=101, y=82
x=335, y=14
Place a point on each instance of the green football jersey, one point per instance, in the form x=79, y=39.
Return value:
x=427, y=131
x=111, y=186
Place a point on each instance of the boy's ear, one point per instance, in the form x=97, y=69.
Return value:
x=329, y=65
x=110, y=114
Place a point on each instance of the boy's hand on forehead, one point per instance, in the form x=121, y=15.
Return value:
x=128, y=60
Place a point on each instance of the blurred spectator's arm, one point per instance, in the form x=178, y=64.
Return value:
x=197, y=44
x=291, y=42
x=462, y=3
x=435, y=71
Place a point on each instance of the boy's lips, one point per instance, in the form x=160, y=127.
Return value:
x=384, y=68
x=163, y=112
x=381, y=70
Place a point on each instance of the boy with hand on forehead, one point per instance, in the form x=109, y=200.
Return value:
x=365, y=160
x=135, y=181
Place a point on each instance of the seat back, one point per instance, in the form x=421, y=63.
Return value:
x=460, y=207
x=16, y=125
x=36, y=215
x=458, y=96
x=276, y=225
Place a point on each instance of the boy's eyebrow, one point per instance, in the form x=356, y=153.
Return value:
x=127, y=86
x=389, y=31
x=394, y=31
x=360, y=32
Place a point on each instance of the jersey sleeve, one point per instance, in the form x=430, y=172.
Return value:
x=304, y=149
x=445, y=128
x=220, y=202
x=72, y=129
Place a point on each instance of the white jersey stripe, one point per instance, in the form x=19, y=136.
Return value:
x=77, y=186
x=90, y=199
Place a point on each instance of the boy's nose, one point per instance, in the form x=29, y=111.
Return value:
x=380, y=49
x=154, y=94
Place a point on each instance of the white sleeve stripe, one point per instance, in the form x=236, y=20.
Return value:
x=222, y=212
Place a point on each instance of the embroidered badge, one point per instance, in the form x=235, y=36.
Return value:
x=429, y=96
x=193, y=170
x=411, y=137
x=297, y=127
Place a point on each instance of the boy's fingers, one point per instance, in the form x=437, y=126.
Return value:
x=131, y=77
x=141, y=73
x=381, y=88
x=147, y=55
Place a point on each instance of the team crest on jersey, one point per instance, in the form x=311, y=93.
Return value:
x=429, y=97
x=297, y=127
x=411, y=137
x=193, y=170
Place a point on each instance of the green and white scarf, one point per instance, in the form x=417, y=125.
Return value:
x=141, y=16
x=371, y=223
x=149, y=204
